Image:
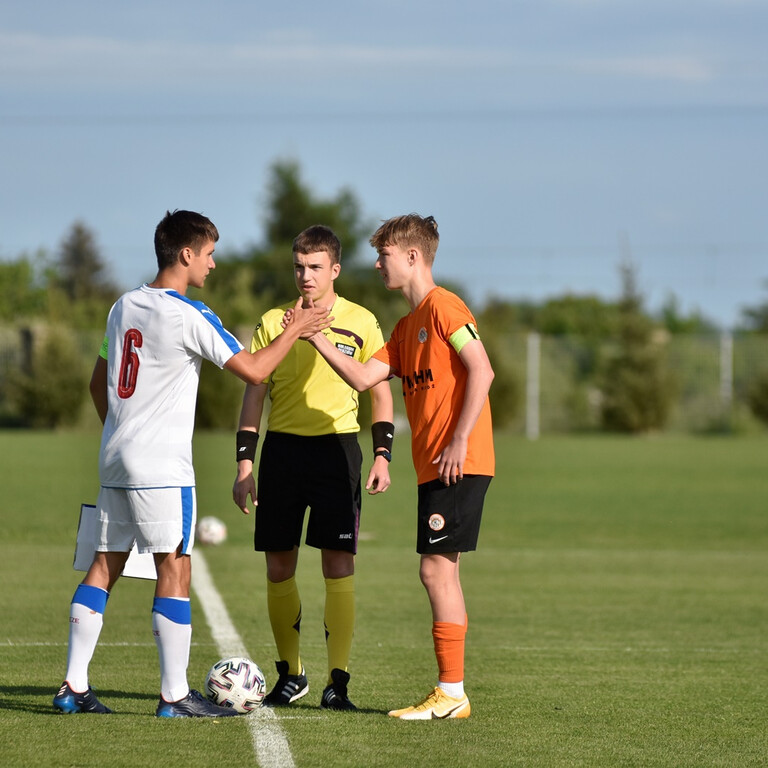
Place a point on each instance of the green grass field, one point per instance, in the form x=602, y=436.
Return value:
x=617, y=604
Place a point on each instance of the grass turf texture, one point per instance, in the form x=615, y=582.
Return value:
x=617, y=615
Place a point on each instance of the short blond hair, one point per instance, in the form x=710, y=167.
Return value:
x=410, y=230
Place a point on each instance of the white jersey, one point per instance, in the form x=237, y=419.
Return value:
x=156, y=341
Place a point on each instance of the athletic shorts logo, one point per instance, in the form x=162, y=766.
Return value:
x=422, y=335
x=436, y=522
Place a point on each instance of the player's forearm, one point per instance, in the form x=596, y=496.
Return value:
x=351, y=370
x=252, y=407
x=382, y=408
x=274, y=353
x=475, y=395
x=254, y=367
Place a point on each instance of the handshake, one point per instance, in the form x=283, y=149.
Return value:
x=307, y=320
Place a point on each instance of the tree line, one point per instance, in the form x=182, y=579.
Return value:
x=622, y=353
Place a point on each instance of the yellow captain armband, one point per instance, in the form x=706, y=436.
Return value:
x=104, y=348
x=464, y=334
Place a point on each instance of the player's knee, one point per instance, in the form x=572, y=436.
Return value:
x=337, y=564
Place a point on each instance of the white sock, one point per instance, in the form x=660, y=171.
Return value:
x=173, y=641
x=84, y=630
x=454, y=690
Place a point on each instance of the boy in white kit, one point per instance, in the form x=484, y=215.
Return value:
x=144, y=387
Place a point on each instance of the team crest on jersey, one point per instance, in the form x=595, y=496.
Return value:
x=347, y=349
x=422, y=335
x=436, y=522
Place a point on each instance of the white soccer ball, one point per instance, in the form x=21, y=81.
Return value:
x=236, y=683
x=211, y=531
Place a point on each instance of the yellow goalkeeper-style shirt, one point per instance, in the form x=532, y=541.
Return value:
x=307, y=396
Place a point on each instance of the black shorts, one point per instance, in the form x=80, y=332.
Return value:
x=449, y=515
x=322, y=473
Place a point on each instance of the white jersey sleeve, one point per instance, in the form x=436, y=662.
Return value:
x=157, y=340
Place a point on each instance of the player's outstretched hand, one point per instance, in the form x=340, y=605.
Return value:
x=310, y=320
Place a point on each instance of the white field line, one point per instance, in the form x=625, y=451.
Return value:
x=269, y=741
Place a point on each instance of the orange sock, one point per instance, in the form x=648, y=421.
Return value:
x=449, y=650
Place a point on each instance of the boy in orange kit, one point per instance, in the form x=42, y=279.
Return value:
x=446, y=376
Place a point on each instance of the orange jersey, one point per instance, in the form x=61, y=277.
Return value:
x=434, y=380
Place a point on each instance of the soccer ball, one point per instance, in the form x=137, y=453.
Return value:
x=211, y=531
x=236, y=683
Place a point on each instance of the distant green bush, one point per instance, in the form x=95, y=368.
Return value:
x=757, y=397
x=637, y=387
x=49, y=389
x=506, y=393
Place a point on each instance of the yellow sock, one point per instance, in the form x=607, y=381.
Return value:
x=339, y=621
x=284, y=607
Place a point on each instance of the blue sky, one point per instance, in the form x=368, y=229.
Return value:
x=549, y=138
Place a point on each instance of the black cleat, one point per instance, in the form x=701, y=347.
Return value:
x=288, y=688
x=70, y=702
x=193, y=705
x=335, y=694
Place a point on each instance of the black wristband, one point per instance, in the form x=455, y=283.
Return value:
x=246, y=445
x=383, y=433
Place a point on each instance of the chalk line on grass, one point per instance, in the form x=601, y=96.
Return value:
x=269, y=741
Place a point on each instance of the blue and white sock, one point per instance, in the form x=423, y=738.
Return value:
x=86, y=618
x=172, y=628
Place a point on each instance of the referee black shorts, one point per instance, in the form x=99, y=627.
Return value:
x=321, y=473
x=449, y=515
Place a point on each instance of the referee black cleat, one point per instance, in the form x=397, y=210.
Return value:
x=335, y=694
x=288, y=688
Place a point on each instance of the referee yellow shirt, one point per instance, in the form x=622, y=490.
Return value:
x=307, y=396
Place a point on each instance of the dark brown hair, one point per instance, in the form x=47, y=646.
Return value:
x=318, y=238
x=179, y=230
